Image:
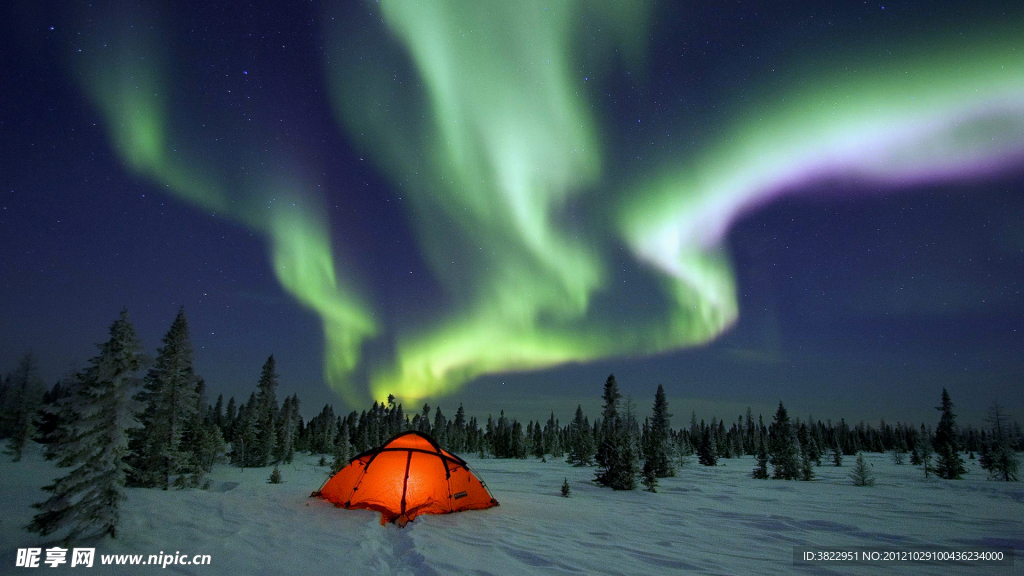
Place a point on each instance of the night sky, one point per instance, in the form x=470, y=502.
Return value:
x=499, y=203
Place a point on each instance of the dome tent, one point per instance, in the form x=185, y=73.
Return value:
x=407, y=476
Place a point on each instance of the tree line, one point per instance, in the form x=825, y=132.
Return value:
x=114, y=428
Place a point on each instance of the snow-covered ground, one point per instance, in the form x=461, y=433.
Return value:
x=703, y=521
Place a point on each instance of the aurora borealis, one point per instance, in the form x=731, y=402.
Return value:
x=462, y=191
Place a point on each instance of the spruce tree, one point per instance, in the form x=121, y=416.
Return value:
x=565, y=488
x=806, y=464
x=784, y=449
x=169, y=398
x=623, y=466
x=760, y=471
x=658, y=444
x=924, y=449
x=342, y=453
x=997, y=454
x=266, y=415
x=87, y=500
x=26, y=391
x=581, y=446
x=56, y=417
x=707, y=452
x=275, y=476
x=861, y=474
x=899, y=450
x=949, y=464
x=649, y=476
x=837, y=454
x=539, y=450
x=610, y=422
x=199, y=444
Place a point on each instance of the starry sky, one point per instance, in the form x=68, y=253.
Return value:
x=500, y=203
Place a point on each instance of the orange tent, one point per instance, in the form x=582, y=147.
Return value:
x=409, y=475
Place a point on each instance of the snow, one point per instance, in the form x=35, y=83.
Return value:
x=704, y=521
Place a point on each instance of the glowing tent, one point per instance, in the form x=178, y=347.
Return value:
x=409, y=475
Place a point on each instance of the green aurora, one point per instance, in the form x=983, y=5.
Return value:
x=503, y=148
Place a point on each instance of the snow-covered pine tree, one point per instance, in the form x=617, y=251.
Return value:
x=861, y=474
x=230, y=418
x=784, y=452
x=837, y=454
x=760, y=471
x=610, y=457
x=169, y=400
x=517, y=443
x=695, y=431
x=244, y=451
x=56, y=417
x=899, y=449
x=439, y=429
x=924, y=449
x=806, y=463
x=275, y=476
x=87, y=500
x=538, y=447
x=266, y=414
x=458, y=440
x=649, y=477
x=342, y=453
x=658, y=446
x=623, y=466
x=581, y=447
x=998, y=456
x=26, y=392
x=707, y=451
x=610, y=421
x=48, y=419
x=194, y=440
x=949, y=464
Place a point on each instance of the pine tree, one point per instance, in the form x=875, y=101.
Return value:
x=565, y=488
x=924, y=449
x=618, y=453
x=861, y=474
x=707, y=452
x=760, y=472
x=649, y=477
x=275, y=476
x=169, y=397
x=539, y=450
x=284, y=446
x=949, y=464
x=837, y=454
x=87, y=500
x=581, y=447
x=55, y=417
x=806, y=465
x=266, y=415
x=27, y=391
x=342, y=453
x=245, y=448
x=899, y=450
x=201, y=442
x=610, y=422
x=658, y=444
x=230, y=420
x=623, y=466
x=997, y=454
x=784, y=449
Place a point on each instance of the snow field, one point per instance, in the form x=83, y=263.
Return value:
x=703, y=521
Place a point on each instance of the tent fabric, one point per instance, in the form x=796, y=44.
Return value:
x=407, y=476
